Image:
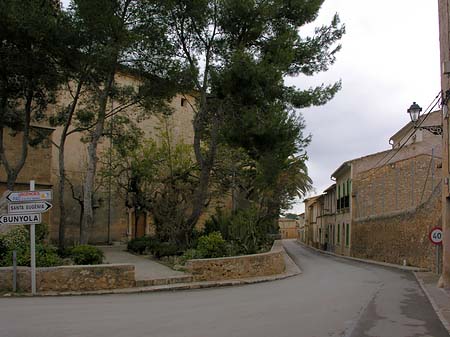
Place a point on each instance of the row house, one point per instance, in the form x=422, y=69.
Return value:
x=383, y=205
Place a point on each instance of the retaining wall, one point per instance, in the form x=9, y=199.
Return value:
x=235, y=267
x=71, y=278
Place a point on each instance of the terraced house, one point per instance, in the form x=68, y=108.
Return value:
x=383, y=205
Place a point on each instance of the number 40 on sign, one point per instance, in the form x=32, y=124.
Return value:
x=436, y=235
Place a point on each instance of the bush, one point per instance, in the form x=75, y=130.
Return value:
x=143, y=244
x=190, y=254
x=47, y=256
x=85, y=254
x=166, y=249
x=211, y=245
x=137, y=245
x=18, y=239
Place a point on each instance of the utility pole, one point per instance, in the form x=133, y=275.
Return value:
x=444, y=39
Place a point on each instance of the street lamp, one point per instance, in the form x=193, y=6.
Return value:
x=414, y=112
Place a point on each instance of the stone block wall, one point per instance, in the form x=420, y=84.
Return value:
x=398, y=236
x=398, y=186
x=237, y=267
x=71, y=278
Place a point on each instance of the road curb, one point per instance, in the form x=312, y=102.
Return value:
x=436, y=308
x=291, y=270
x=378, y=263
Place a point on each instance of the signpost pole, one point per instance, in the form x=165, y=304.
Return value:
x=14, y=271
x=33, y=249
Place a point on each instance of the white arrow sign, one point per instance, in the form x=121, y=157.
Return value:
x=32, y=207
x=21, y=196
x=20, y=219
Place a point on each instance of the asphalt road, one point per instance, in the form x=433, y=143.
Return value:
x=333, y=297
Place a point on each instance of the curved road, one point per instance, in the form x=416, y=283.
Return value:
x=333, y=297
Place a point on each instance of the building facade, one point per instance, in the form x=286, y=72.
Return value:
x=386, y=203
x=113, y=220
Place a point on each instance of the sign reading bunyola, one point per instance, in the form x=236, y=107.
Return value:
x=20, y=219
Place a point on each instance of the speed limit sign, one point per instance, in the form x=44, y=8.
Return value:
x=436, y=235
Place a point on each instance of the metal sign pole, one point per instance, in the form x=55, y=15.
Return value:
x=14, y=271
x=33, y=249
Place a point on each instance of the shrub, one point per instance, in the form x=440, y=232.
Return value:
x=18, y=239
x=47, y=256
x=143, y=244
x=166, y=249
x=190, y=254
x=211, y=245
x=137, y=245
x=85, y=254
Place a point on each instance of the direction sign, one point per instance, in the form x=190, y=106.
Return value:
x=24, y=196
x=20, y=219
x=32, y=207
x=436, y=235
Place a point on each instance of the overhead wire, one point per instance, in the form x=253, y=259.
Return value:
x=428, y=110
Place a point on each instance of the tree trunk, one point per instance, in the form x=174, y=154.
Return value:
x=62, y=172
x=206, y=163
x=13, y=172
x=88, y=216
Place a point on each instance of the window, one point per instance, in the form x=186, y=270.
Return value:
x=347, y=235
x=183, y=101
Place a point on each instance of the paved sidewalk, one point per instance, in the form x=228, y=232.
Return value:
x=383, y=264
x=145, y=267
x=439, y=298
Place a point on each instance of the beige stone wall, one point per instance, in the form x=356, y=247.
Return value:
x=71, y=278
x=399, y=236
x=401, y=185
x=236, y=267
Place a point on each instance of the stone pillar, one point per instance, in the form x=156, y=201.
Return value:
x=444, y=32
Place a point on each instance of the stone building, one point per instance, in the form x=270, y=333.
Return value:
x=109, y=206
x=301, y=227
x=288, y=228
x=329, y=218
x=385, y=203
x=313, y=212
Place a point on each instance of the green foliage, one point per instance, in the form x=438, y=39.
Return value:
x=211, y=245
x=142, y=244
x=154, y=177
x=85, y=255
x=245, y=231
x=166, y=249
x=190, y=254
x=137, y=245
x=240, y=52
x=18, y=239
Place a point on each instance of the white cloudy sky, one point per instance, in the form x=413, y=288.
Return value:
x=389, y=58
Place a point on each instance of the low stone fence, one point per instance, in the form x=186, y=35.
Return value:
x=236, y=267
x=70, y=278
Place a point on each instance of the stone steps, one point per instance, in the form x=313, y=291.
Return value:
x=165, y=281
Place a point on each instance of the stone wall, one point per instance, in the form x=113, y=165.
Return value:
x=398, y=186
x=71, y=278
x=236, y=267
x=399, y=236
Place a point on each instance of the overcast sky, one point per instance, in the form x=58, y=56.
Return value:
x=389, y=58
